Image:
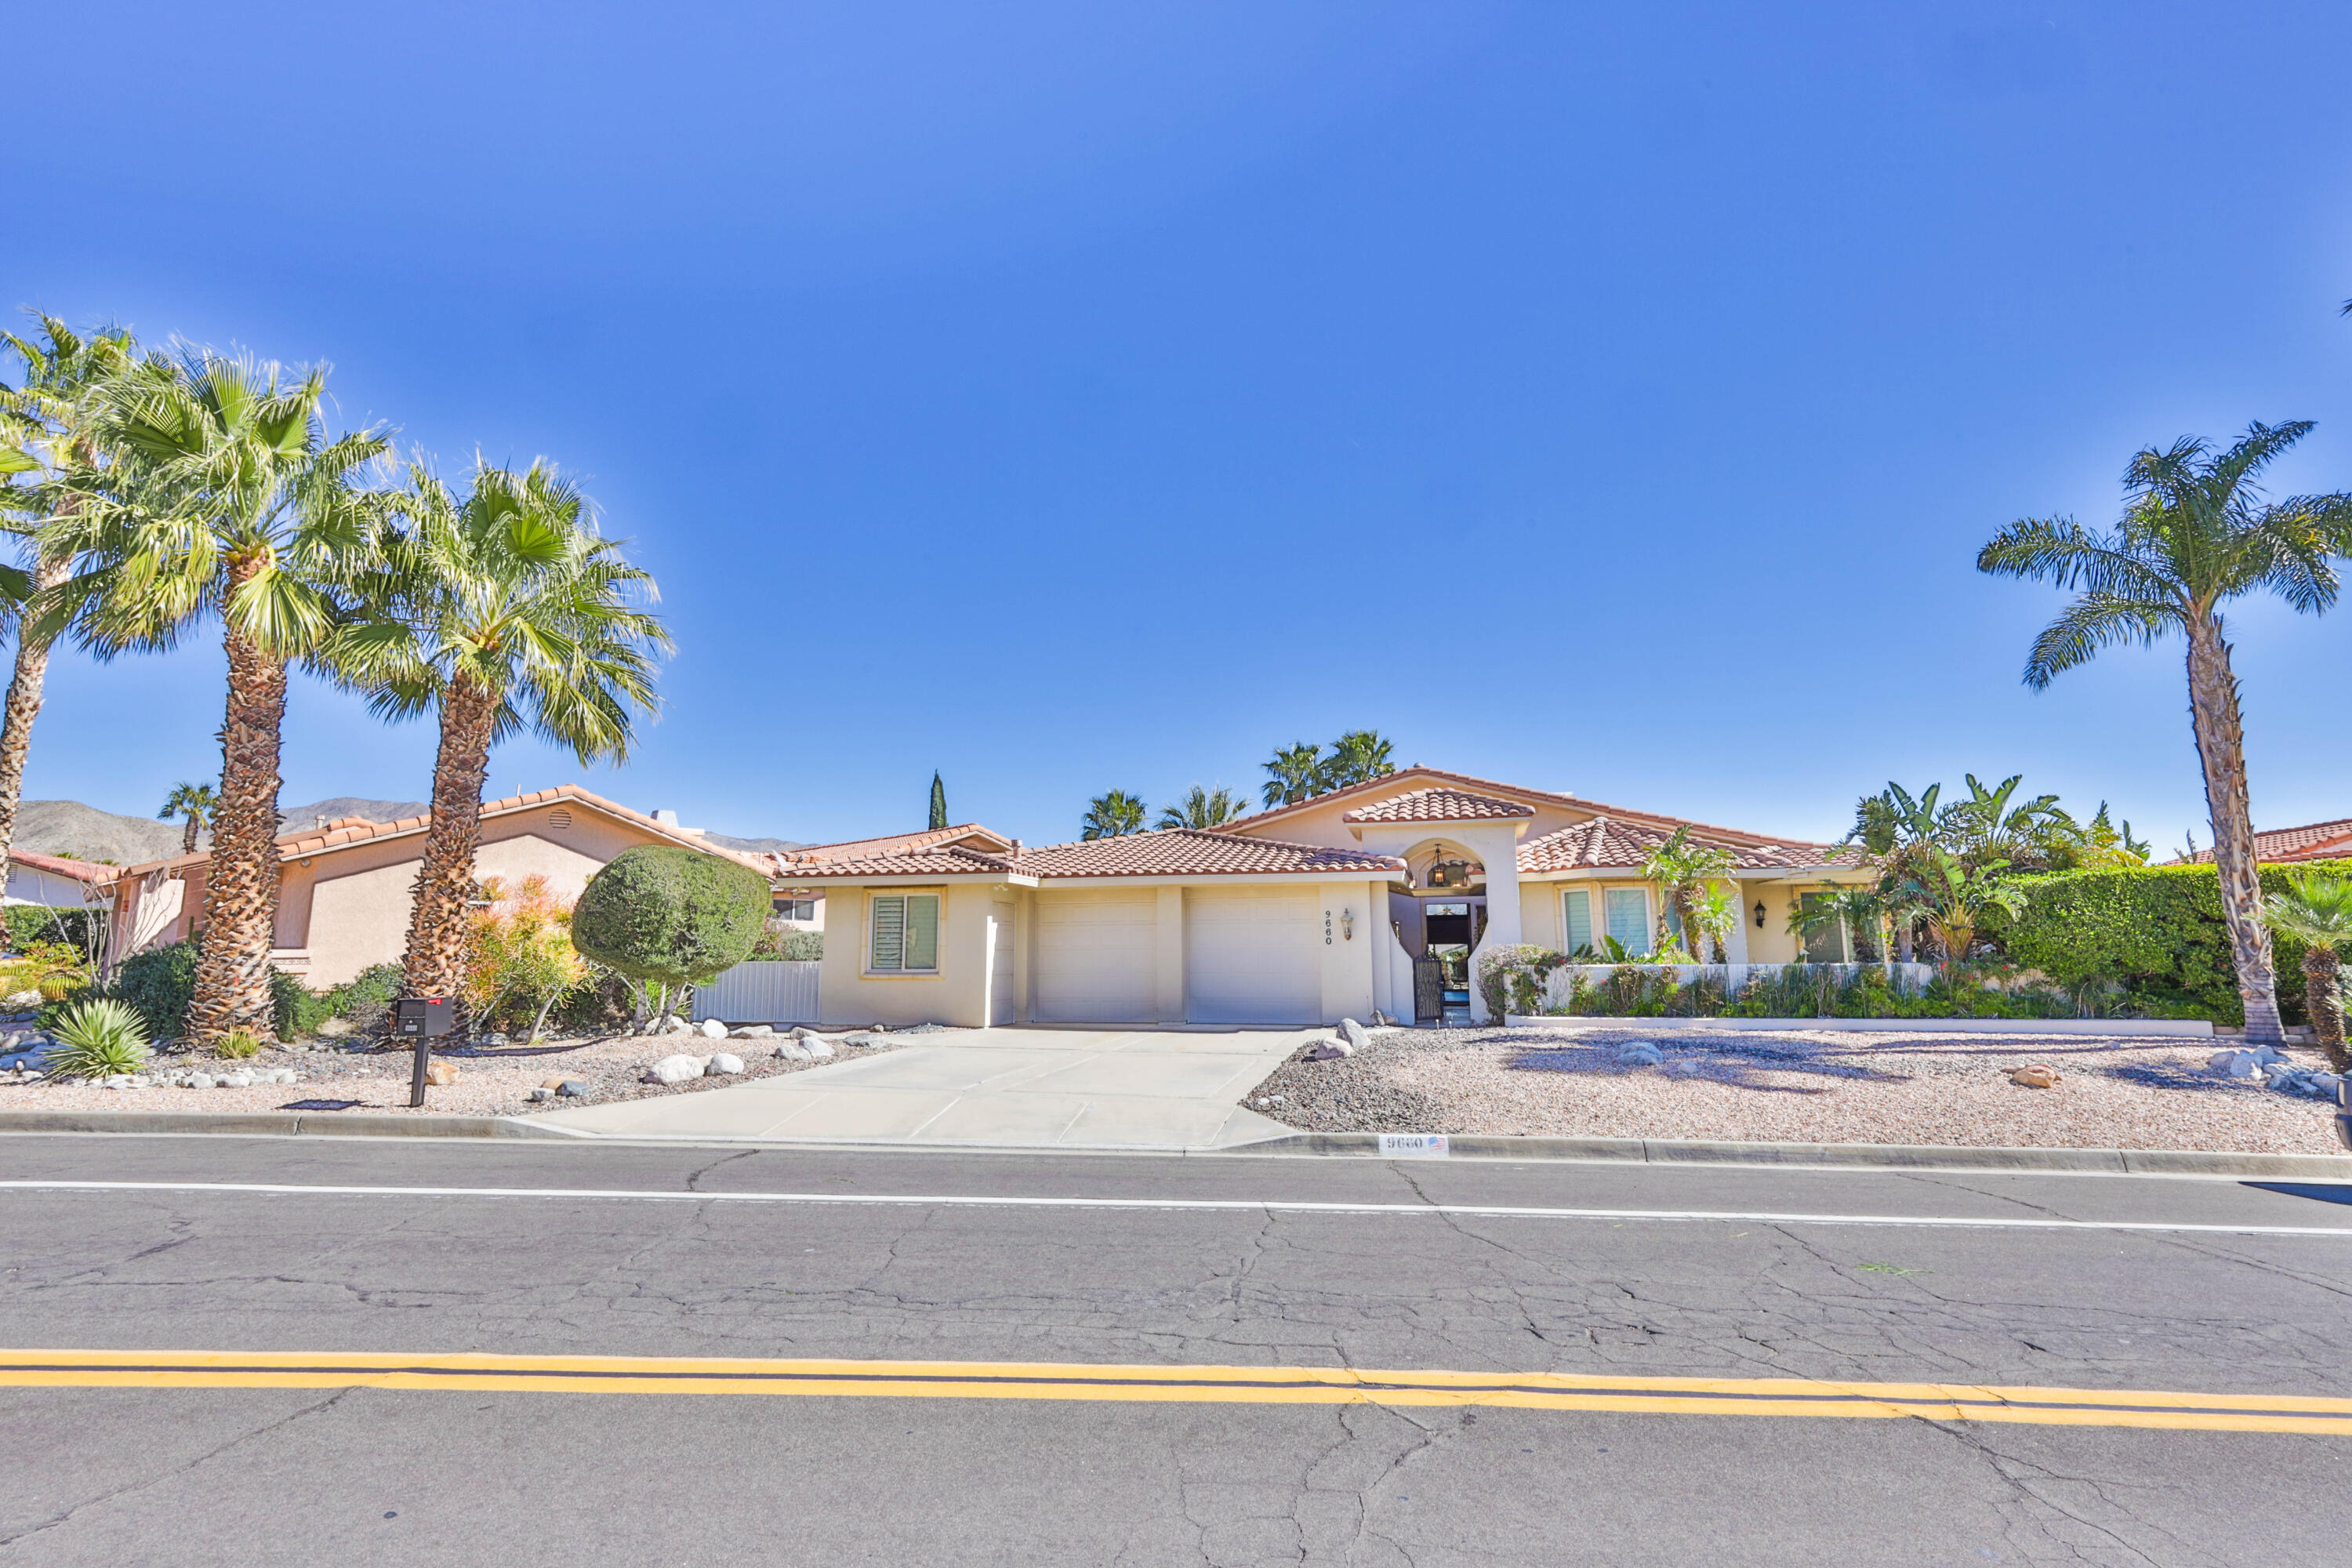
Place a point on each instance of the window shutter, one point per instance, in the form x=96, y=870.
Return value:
x=1628, y=909
x=1577, y=905
x=923, y=931
x=889, y=932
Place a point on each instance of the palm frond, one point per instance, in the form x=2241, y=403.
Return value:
x=2090, y=624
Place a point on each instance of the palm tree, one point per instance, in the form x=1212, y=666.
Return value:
x=224, y=498
x=1683, y=872
x=2317, y=908
x=2195, y=532
x=1201, y=808
x=1952, y=898
x=1113, y=815
x=1356, y=757
x=53, y=413
x=1295, y=773
x=508, y=614
x=192, y=802
x=938, y=802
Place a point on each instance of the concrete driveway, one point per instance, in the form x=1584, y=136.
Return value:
x=1013, y=1087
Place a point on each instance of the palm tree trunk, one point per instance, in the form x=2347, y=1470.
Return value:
x=438, y=935
x=188, y=833
x=232, y=988
x=2221, y=748
x=2325, y=1002
x=24, y=705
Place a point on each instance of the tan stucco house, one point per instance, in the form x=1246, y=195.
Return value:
x=57, y=881
x=344, y=890
x=1303, y=914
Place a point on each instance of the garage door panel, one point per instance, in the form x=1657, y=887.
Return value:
x=1097, y=957
x=1251, y=957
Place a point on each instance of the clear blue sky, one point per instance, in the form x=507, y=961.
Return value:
x=1607, y=398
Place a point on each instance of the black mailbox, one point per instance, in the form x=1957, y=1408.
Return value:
x=429, y=1016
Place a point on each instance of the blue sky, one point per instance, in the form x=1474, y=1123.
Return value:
x=1063, y=396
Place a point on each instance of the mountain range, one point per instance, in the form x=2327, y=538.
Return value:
x=79, y=832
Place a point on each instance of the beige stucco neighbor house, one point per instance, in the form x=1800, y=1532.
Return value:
x=1303, y=914
x=56, y=881
x=344, y=890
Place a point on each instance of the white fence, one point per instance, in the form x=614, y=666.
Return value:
x=762, y=992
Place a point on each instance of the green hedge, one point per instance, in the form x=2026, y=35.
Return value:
x=2157, y=930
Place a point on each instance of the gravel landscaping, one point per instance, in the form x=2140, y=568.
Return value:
x=1806, y=1088
x=491, y=1080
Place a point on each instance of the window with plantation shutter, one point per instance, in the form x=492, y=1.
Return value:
x=1628, y=911
x=1576, y=909
x=905, y=938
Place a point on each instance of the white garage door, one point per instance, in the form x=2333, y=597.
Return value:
x=1251, y=957
x=1097, y=957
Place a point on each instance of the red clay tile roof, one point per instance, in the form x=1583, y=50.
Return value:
x=1172, y=852
x=2312, y=841
x=1440, y=804
x=1725, y=835
x=357, y=831
x=80, y=870
x=1611, y=842
x=793, y=862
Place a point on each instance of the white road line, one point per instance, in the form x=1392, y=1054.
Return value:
x=1253, y=1205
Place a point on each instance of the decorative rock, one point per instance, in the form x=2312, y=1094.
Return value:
x=751, y=1032
x=2039, y=1076
x=1639, y=1054
x=712, y=1029
x=675, y=1070
x=441, y=1072
x=200, y=1080
x=552, y=1084
x=794, y=1051
x=820, y=1049
x=572, y=1089
x=723, y=1066
x=21, y=999
x=1330, y=1051
x=542, y=1093
x=1353, y=1033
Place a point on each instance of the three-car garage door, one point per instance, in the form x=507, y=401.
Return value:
x=1251, y=956
x=1097, y=957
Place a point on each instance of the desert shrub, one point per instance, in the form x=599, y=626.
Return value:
x=665, y=917
x=1511, y=977
x=237, y=1045
x=366, y=998
x=2157, y=930
x=157, y=984
x=788, y=944
x=521, y=961
x=603, y=1001
x=97, y=1037
x=29, y=923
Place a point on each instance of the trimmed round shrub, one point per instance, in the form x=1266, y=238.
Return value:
x=669, y=914
x=95, y=1038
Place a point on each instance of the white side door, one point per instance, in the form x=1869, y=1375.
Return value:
x=1096, y=958
x=1251, y=956
x=1000, y=963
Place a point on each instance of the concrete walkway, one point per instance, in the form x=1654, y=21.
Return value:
x=1036, y=1089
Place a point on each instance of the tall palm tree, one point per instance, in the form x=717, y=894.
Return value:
x=2317, y=907
x=47, y=424
x=1683, y=871
x=1356, y=757
x=1295, y=773
x=224, y=498
x=194, y=804
x=2195, y=532
x=1112, y=815
x=1201, y=808
x=508, y=614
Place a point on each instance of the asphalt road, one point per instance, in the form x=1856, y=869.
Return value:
x=1397, y=1277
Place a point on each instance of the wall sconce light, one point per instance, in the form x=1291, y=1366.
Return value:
x=1759, y=914
x=1347, y=925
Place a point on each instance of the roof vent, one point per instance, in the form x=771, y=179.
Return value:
x=559, y=819
x=667, y=818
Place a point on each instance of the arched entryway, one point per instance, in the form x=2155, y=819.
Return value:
x=1439, y=913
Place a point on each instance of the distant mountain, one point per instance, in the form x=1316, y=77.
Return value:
x=295, y=818
x=754, y=846
x=82, y=832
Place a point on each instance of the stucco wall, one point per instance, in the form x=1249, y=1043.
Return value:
x=957, y=993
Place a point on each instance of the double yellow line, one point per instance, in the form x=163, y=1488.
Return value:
x=1225, y=1384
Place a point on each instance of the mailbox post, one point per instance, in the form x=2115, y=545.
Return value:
x=422, y=1019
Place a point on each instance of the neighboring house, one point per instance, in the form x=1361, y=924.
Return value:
x=1303, y=914
x=799, y=904
x=345, y=889
x=56, y=882
x=2286, y=845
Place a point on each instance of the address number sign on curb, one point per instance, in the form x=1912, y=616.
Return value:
x=1427, y=1145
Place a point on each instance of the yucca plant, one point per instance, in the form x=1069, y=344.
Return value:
x=97, y=1039
x=237, y=1045
x=2317, y=908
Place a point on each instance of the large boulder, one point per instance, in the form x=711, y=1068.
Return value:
x=1353, y=1033
x=712, y=1029
x=675, y=1070
x=1639, y=1054
x=723, y=1066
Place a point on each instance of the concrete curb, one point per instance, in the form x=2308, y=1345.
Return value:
x=1844, y=1156
x=2113, y=1028
x=331, y=1123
